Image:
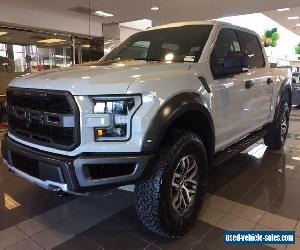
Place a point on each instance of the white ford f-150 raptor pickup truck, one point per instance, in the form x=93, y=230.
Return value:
x=156, y=112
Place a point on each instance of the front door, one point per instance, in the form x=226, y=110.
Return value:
x=231, y=106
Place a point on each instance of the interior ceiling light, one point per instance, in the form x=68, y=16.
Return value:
x=102, y=13
x=283, y=9
x=51, y=40
x=155, y=8
x=293, y=17
x=298, y=24
x=3, y=33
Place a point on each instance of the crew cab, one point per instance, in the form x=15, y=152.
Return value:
x=157, y=112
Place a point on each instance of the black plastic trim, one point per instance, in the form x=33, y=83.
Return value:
x=285, y=86
x=65, y=163
x=238, y=146
x=73, y=106
x=68, y=165
x=205, y=84
x=168, y=113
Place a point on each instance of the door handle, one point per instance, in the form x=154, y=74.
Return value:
x=249, y=84
x=269, y=81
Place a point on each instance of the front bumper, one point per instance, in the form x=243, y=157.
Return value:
x=80, y=174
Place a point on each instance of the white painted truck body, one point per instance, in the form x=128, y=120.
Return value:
x=242, y=112
x=234, y=110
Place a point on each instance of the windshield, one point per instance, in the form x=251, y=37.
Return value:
x=178, y=44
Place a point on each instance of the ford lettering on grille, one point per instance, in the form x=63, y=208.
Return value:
x=43, y=117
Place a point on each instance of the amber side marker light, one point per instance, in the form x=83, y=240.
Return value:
x=100, y=132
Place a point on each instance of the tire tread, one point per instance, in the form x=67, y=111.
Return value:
x=147, y=191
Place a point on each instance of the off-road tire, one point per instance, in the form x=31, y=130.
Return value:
x=153, y=193
x=275, y=137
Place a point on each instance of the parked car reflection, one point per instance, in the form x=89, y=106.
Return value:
x=7, y=73
x=296, y=88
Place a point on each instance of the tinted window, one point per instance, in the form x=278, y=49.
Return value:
x=252, y=47
x=183, y=42
x=296, y=79
x=137, y=50
x=227, y=41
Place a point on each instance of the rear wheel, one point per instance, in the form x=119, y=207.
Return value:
x=168, y=200
x=278, y=130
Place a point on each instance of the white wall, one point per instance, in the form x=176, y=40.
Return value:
x=49, y=20
x=126, y=32
x=138, y=24
x=129, y=28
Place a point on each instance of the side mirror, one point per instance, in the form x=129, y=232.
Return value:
x=234, y=63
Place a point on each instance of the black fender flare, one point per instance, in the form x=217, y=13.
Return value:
x=286, y=86
x=168, y=113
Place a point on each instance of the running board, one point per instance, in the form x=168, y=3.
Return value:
x=238, y=147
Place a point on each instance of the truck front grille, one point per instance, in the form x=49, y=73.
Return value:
x=45, y=117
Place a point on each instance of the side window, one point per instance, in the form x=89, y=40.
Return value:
x=252, y=47
x=227, y=41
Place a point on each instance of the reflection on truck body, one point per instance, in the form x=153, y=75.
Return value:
x=7, y=74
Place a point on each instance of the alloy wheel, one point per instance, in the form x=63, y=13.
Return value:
x=284, y=125
x=184, y=184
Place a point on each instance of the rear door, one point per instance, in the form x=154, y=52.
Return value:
x=260, y=76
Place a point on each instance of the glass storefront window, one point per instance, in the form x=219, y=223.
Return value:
x=2, y=50
x=28, y=52
x=23, y=51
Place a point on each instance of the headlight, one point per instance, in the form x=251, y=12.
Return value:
x=115, y=114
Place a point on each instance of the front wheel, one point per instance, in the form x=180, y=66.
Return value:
x=278, y=130
x=168, y=200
